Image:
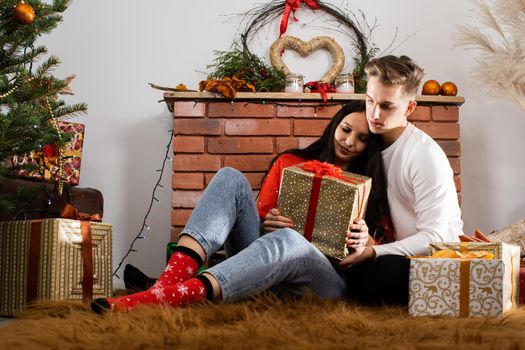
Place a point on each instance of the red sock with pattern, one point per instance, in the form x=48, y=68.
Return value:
x=183, y=264
x=175, y=295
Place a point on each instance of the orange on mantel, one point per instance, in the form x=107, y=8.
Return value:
x=431, y=87
x=449, y=89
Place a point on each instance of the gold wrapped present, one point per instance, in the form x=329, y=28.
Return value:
x=48, y=259
x=322, y=201
x=465, y=279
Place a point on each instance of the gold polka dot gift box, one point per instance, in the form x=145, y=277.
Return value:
x=322, y=201
x=465, y=279
x=48, y=259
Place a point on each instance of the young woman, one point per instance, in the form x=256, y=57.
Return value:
x=282, y=260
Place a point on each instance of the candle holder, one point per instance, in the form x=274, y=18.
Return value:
x=293, y=83
x=344, y=84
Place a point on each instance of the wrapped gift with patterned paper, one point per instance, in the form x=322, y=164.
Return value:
x=322, y=201
x=53, y=259
x=48, y=158
x=465, y=279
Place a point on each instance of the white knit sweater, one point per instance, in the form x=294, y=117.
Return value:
x=421, y=193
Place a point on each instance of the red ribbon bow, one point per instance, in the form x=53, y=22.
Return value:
x=321, y=168
x=293, y=5
x=322, y=88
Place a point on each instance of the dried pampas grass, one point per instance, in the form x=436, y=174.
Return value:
x=499, y=36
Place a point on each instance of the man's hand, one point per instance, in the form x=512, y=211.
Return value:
x=358, y=256
x=274, y=221
x=358, y=235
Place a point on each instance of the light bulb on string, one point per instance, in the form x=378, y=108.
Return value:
x=141, y=234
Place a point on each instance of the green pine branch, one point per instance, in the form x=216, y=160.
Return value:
x=30, y=103
x=246, y=66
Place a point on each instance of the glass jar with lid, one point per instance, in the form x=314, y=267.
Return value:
x=344, y=84
x=294, y=83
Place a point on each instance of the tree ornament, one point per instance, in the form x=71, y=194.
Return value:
x=431, y=87
x=449, y=89
x=24, y=13
x=66, y=90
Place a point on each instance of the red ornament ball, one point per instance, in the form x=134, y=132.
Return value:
x=24, y=13
x=50, y=151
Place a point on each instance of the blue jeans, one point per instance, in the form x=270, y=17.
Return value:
x=282, y=260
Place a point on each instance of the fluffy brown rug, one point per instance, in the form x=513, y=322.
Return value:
x=261, y=323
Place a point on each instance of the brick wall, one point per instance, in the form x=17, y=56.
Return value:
x=246, y=136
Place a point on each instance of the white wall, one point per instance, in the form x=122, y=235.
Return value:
x=116, y=47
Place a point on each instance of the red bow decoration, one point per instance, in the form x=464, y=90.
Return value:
x=321, y=168
x=293, y=5
x=322, y=88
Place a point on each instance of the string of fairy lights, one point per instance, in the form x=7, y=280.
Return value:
x=145, y=227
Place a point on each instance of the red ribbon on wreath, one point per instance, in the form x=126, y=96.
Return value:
x=322, y=88
x=293, y=5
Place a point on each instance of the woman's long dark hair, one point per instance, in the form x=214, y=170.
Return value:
x=368, y=163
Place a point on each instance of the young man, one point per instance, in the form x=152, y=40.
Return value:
x=421, y=191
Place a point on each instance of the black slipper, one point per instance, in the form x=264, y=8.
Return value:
x=100, y=306
x=136, y=280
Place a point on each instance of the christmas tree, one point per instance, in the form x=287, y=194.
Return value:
x=30, y=107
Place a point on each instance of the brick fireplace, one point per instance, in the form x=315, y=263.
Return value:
x=212, y=132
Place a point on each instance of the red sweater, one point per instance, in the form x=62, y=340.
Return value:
x=270, y=188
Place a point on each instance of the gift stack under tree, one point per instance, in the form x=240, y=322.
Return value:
x=48, y=248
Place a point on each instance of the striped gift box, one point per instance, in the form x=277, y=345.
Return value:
x=47, y=259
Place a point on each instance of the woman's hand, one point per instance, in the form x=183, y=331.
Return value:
x=274, y=221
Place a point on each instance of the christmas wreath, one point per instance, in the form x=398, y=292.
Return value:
x=243, y=64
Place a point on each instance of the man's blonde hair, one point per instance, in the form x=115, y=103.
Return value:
x=393, y=70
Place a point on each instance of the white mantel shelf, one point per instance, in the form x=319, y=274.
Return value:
x=171, y=96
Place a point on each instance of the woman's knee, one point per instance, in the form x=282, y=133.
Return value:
x=229, y=175
x=288, y=238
